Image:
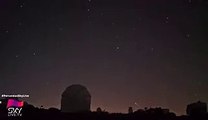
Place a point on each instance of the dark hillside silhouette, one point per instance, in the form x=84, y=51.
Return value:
x=75, y=105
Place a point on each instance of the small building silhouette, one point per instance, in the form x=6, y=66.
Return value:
x=99, y=110
x=76, y=98
x=195, y=109
x=130, y=110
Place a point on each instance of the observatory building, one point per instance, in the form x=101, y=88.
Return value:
x=198, y=108
x=76, y=98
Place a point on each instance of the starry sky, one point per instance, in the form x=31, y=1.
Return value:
x=139, y=53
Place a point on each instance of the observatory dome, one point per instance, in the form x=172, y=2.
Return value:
x=76, y=98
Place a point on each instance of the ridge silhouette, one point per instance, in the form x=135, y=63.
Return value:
x=75, y=105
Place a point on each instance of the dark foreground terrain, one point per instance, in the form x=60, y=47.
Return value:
x=31, y=113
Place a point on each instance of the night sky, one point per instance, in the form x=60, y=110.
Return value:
x=139, y=53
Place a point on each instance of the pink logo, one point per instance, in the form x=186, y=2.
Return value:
x=14, y=103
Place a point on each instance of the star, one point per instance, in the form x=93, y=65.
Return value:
x=166, y=19
x=20, y=24
x=152, y=49
x=190, y=1
x=60, y=29
x=47, y=83
x=117, y=36
x=188, y=35
x=136, y=104
x=117, y=48
x=21, y=6
x=195, y=95
x=139, y=19
x=133, y=28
